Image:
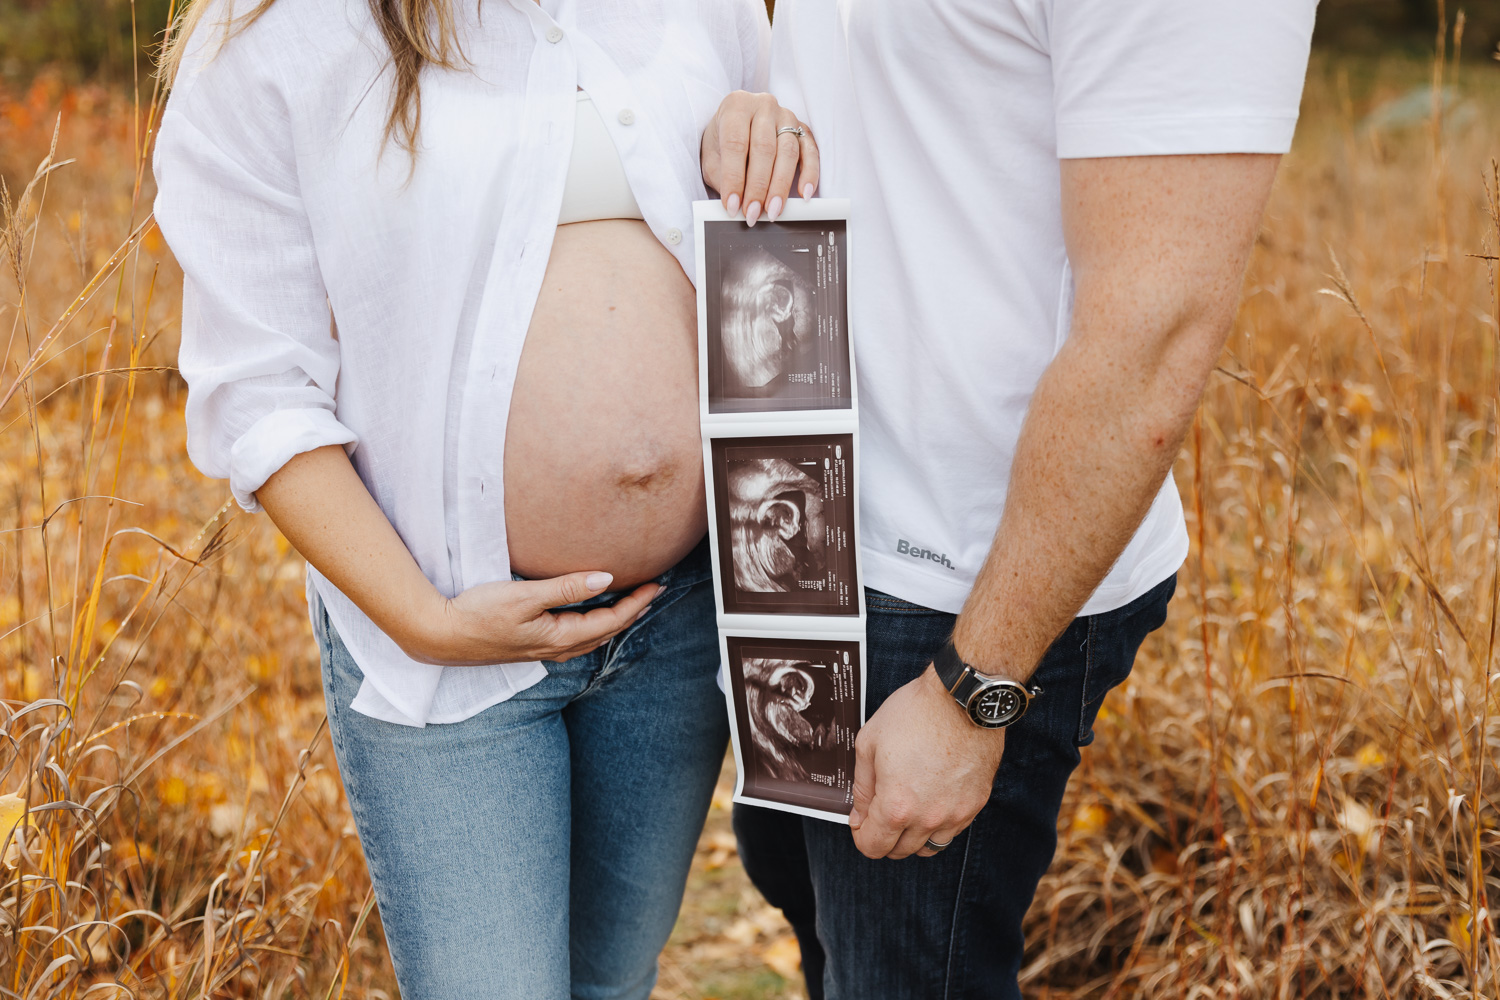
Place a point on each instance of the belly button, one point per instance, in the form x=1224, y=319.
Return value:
x=647, y=481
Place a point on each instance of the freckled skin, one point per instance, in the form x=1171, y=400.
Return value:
x=603, y=460
x=1158, y=247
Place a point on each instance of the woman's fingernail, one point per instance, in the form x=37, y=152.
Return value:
x=807, y=190
x=774, y=208
x=752, y=212
x=597, y=581
x=733, y=205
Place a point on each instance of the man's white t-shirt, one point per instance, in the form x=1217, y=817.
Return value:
x=943, y=121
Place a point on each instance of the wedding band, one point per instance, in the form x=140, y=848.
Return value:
x=934, y=848
x=796, y=130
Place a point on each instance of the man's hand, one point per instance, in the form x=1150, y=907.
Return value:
x=922, y=771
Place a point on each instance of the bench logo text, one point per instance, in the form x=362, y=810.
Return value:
x=908, y=549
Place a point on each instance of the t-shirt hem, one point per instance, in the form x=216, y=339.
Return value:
x=913, y=583
x=1147, y=574
x=1175, y=136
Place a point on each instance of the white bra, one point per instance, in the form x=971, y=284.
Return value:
x=596, y=187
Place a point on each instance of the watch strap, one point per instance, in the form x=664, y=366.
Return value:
x=950, y=666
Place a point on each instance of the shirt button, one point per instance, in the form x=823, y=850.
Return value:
x=627, y=117
x=674, y=236
x=554, y=34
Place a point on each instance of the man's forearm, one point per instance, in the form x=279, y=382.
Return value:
x=1091, y=458
x=1159, y=247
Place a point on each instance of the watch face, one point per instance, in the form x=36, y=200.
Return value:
x=996, y=705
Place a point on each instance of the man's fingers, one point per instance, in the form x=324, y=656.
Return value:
x=883, y=817
x=913, y=840
x=943, y=836
x=878, y=834
x=864, y=777
x=762, y=158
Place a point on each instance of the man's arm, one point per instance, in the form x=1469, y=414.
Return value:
x=1158, y=247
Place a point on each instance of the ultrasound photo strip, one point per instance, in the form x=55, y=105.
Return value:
x=784, y=519
x=779, y=410
x=777, y=316
x=795, y=708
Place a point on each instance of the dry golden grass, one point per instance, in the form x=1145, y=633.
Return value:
x=1293, y=796
x=1295, y=793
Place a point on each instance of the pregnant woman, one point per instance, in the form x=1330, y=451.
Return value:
x=491, y=461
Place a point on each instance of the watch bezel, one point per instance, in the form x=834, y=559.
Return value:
x=967, y=685
x=987, y=683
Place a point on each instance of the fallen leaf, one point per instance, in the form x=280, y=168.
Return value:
x=784, y=957
x=12, y=809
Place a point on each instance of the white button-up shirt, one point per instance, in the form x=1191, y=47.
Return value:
x=279, y=201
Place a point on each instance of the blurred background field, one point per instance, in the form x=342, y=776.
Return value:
x=1293, y=796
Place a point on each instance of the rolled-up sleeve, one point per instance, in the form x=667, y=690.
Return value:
x=258, y=352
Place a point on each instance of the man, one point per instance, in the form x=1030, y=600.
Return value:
x=1054, y=202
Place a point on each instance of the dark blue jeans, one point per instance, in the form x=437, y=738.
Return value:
x=946, y=927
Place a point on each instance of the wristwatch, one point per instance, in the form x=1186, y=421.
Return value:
x=991, y=702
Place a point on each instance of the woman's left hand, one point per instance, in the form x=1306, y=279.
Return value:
x=751, y=162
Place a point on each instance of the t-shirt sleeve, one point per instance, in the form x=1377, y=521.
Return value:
x=1162, y=77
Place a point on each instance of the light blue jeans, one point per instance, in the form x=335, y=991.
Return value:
x=539, y=850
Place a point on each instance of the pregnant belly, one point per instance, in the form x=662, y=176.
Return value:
x=603, y=461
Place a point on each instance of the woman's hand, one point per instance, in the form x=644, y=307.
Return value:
x=514, y=621
x=323, y=508
x=750, y=163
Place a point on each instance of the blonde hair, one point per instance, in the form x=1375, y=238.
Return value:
x=418, y=33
